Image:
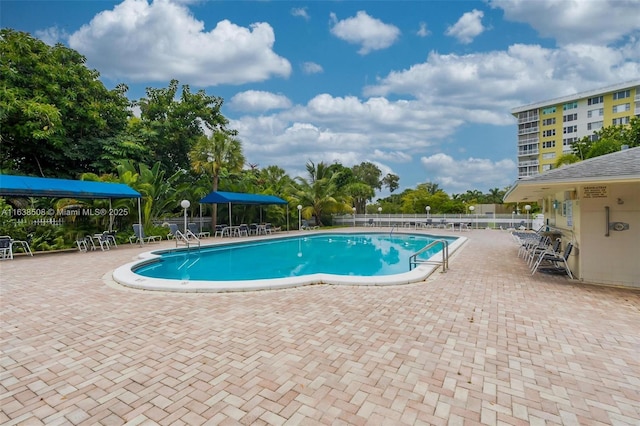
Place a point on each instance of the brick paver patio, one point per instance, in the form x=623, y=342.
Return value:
x=485, y=343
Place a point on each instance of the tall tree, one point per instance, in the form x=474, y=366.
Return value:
x=171, y=127
x=214, y=155
x=55, y=115
x=360, y=193
x=391, y=181
x=368, y=173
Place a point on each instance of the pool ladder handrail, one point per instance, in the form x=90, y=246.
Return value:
x=395, y=225
x=413, y=259
x=188, y=238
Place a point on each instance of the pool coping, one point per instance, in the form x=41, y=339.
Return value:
x=125, y=276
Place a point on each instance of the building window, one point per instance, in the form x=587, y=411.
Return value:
x=547, y=133
x=621, y=95
x=570, y=105
x=592, y=113
x=549, y=121
x=596, y=125
x=570, y=117
x=620, y=121
x=547, y=167
x=570, y=129
x=621, y=108
x=568, y=141
x=549, y=110
x=549, y=144
x=595, y=101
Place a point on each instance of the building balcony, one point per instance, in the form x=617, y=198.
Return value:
x=530, y=163
x=528, y=119
x=528, y=130
x=527, y=173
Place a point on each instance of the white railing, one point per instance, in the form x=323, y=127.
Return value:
x=44, y=221
x=444, y=221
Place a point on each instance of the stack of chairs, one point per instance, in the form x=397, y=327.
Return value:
x=541, y=253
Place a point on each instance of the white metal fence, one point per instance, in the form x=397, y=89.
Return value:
x=494, y=221
x=43, y=221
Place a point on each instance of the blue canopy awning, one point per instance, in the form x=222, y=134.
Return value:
x=27, y=186
x=220, y=197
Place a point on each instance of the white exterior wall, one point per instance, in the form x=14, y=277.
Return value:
x=597, y=258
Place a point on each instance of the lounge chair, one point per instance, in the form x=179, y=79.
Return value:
x=269, y=228
x=554, y=261
x=6, y=247
x=305, y=226
x=198, y=233
x=370, y=222
x=111, y=238
x=539, y=250
x=173, y=231
x=139, y=236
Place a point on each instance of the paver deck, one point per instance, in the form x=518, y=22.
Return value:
x=484, y=343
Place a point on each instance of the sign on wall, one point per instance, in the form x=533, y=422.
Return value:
x=595, y=191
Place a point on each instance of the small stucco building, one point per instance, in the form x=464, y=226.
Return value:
x=595, y=204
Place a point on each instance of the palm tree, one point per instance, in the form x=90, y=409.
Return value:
x=215, y=155
x=318, y=194
x=157, y=190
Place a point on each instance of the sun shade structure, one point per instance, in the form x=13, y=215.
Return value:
x=27, y=186
x=220, y=197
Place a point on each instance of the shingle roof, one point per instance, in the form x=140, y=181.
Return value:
x=621, y=166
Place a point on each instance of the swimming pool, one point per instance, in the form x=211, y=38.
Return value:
x=279, y=262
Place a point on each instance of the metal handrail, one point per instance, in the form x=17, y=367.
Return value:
x=413, y=259
x=186, y=238
x=395, y=225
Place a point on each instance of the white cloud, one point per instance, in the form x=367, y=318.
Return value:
x=370, y=33
x=468, y=27
x=576, y=21
x=255, y=100
x=483, y=87
x=423, y=31
x=162, y=40
x=460, y=175
x=311, y=68
x=393, y=156
x=300, y=12
x=52, y=35
x=345, y=129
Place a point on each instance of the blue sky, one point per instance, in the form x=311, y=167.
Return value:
x=423, y=89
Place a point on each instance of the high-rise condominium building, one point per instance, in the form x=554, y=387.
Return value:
x=547, y=129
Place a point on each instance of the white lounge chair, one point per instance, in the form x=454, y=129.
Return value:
x=6, y=247
x=195, y=231
x=139, y=236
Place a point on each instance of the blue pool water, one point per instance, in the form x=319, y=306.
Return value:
x=363, y=254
